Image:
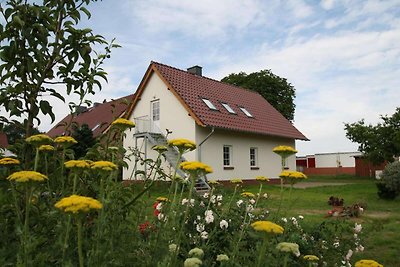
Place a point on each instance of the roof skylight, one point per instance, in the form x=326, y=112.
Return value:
x=245, y=111
x=95, y=127
x=209, y=104
x=228, y=108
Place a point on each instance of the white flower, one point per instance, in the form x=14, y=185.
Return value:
x=161, y=217
x=222, y=257
x=361, y=209
x=198, y=217
x=202, y=204
x=252, y=201
x=192, y=202
x=192, y=262
x=200, y=227
x=209, y=218
x=284, y=219
x=204, y=235
x=159, y=206
x=357, y=228
x=336, y=244
x=206, y=195
x=185, y=201
x=223, y=224
x=265, y=195
x=172, y=248
x=349, y=254
x=301, y=217
x=249, y=208
x=239, y=202
x=196, y=252
x=360, y=248
x=219, y=198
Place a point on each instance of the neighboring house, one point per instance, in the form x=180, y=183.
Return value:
x=366, y=168
x=328, y=163
x=3, y=146
x=235, y=129
x=98, y=117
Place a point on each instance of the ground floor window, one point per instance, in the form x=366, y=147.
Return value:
x=227, y=155
x=253, y=157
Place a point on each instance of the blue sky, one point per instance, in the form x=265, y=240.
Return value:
x=342, y=56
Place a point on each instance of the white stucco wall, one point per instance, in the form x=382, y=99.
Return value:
x=173, y=116
x=269, y=163
x=330, y=160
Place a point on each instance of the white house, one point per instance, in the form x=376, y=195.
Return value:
x=235, y=129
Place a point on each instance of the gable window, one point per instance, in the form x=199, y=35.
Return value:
x=228, y=108
x=253, y=157
x=209, y=104
x=227, y=155
x=155, y=110
x=246, y=112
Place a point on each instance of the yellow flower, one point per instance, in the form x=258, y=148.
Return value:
x=262, y=179
x=248, y=194
x=284, y=151
x=194, y=166
x=292, y=175
x=9, y=161
x=75, y=204
x=123, y=123
x=46, y=148
x=236, y=181
x=77, y=164
x=103, y=165
x=65, y=140
x=182, y=144
x=26, y=176
x=162, y=199
x=160, y=148
x=39, y=139
x=367, y=263
x=288, y=247
x=311, y=258
x=267, y=226
x=213, y=182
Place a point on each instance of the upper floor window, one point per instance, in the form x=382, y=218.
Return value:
x=228, y=108
x=245, y=111
x=209, y=104
x=155, y=110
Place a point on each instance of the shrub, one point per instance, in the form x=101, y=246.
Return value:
x=389, y=186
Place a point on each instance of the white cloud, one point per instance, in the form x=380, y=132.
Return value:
x=327, y=4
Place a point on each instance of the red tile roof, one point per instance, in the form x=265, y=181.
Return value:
x=3, y=140
x=190, y=89
x=100, y=114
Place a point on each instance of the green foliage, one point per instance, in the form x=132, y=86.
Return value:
x=379, y=142
x=15, y=131
x=84, y=136
x=389, y=186
x=42, y=46
x=276, y=90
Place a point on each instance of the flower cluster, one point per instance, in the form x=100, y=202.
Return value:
x=27, y=176
x=213, y=182
x=311, y=258
x=77, y=164
x=292, y=175
x=9, y=161
x=195, y=166
x=46, y=148
x=236, y=181
x=247, y=194
x=289, y=247
x=367, y=263
x=103, y=165
x=65, y=140
x=284, y=150
x=182, y=144
x=268, y=227
x=39, y=139
x=76, y=204
x=123, y=123
x=262, y=179
x=160, y=148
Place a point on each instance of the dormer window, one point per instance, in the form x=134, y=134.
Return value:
x=228, y=108
x=246, y=112
x=209, y=104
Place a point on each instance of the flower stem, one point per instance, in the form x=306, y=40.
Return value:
x=263, y=249
x=259, y=195
x=80, y=253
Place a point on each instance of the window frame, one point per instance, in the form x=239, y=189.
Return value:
x=228, y=108
x=246, y=112
x=157, y=101
x=229, y=154
x=253, y=157
x=209, y=104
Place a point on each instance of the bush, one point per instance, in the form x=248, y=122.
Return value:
x=389, y=186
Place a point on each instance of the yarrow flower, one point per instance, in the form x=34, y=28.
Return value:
x=9, y=161
x=76, y=204
x=208, y=216
x=289, y=247
x=262, y=179
x=39, y=139
x=367, y=263
x=196, y=252
x=77, y=164
x=204, y=235
x=223, y=224
x=65, y=140
x=195, y=166
x=123, y=123
x=160, y=148
x=182, y=144
x=311, y=258
x=268, y=227
x=162, y=199
x=357, y=228
x=192, y=262
x=247, y=194
x=26, y=176
x=172, y=248
x=292, y=175
x=46, y=148
x=222, y=257
x=284, y=151
x=236, y=181
x=103, y=165
x=213, y=182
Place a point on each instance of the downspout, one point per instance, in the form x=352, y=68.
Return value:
x=202, y=142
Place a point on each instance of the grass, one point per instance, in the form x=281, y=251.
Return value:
x=381, y=218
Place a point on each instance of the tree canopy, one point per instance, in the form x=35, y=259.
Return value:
x=44, y=53
x=378, y=142
x=276, y=90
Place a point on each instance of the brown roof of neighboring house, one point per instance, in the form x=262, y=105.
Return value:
x=3, y=140
x=190, y=89
x=98, y=117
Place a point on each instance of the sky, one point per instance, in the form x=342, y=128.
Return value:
x=342, y=56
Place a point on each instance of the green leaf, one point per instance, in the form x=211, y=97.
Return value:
x=84, y=10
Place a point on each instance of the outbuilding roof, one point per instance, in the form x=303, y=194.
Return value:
x=191, y=90
x=98, y=117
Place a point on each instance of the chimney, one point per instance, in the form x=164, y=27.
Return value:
x=197, y=70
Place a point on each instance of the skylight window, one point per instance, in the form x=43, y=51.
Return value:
x=209, y=104
x=245, y=111
x=228, y=108
x=95, y=127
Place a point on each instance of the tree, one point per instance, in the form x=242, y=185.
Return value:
x=276, y=90
x=42, y=46
x=379, y=142
x=15, y=131
x=84, y=136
